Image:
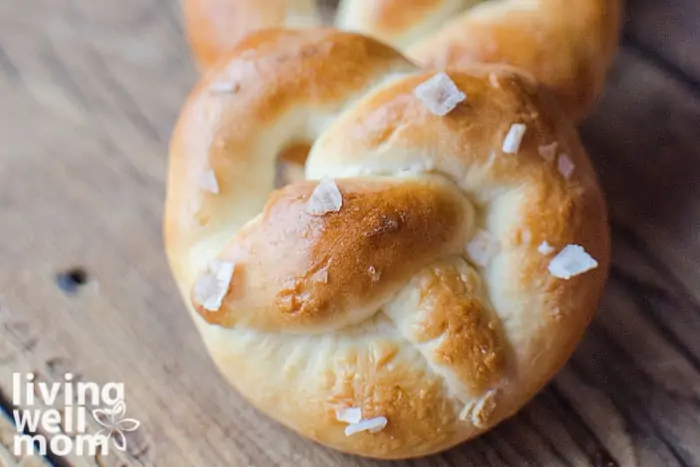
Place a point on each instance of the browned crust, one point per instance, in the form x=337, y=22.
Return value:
x=423, y=342
x=384, y=233
x=568, y=45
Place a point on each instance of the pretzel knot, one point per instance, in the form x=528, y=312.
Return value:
x=567, y=45
x=410, y=277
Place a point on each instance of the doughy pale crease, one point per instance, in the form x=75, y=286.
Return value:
x=373, y=302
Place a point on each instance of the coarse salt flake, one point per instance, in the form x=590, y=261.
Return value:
x=565, y=166
x=320, y=276
x=213, y=284
x=373, y=425
x=479, y=411
x=511, y=143
x=349, y=415
x=223, y=87
x=439, y=94
x=483, y=247
x=571, y=261
x=545, y=248
x=549, y=151
x=325, y=198
x=208, y=182
x=557, y=314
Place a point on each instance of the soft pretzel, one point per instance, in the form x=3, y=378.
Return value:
x=437, y=266
x=567, y=45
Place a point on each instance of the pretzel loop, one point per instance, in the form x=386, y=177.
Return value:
x=567, y=45
x=358, y=287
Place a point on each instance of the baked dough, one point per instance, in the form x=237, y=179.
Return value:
x=438, y=265
x=567, y=45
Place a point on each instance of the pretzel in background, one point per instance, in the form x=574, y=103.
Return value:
x=567, y=45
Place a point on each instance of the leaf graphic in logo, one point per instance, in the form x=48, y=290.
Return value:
x=114, y=423
x=119, y=440
x=103, y=417
x=118, y=411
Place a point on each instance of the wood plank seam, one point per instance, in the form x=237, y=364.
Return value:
x=640, y=295
x=8, y=67
x=659, y=60
x=568, y=409
x=624, y=409
x=680, y=291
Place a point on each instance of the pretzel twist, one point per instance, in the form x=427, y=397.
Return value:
x=567, y=45
x=375, y=303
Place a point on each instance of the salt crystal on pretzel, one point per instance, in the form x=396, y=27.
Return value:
x=208, y=182
x=439, y=94
x=325, y=198
x=571, y=261
x=212, y=285
x=512, y=141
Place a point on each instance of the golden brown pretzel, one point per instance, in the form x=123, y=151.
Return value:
x=436, y=268
x=567, y=45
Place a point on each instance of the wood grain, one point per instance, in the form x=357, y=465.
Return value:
x=90, y=90
x=7, y=433
x=667, y=31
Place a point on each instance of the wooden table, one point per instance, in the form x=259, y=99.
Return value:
x=90, y=90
